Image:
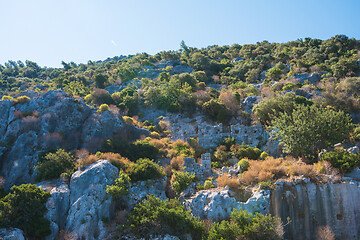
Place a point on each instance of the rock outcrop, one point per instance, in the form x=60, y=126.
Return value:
x=47, y=121
x=141, y=189
x=218, y=205
x=310, y=206
x=11, y=234
x=90, y=205
x=57, y=205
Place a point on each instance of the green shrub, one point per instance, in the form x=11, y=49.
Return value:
x=52, y=165
x=145, y=169
x=355, y=134
x=245, y=151
x=207, y=185
x=342, y=160
x=98, y=97
x=22, y=99
x=133, y=151
x=266, y=185
x=103, y=108
x=244, y=164
x=121, y=186
x=183, y=148
x=244, y=225
x=181, y=180
x=215, y=110
x=24, y=208
x=289, y=86
x=153, y=216
x=7, y=98
x=142, y=149
x=264, y=155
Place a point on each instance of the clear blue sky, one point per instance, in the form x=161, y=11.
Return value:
x=51, y=31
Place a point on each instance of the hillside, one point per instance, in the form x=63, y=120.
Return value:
x=270, y=128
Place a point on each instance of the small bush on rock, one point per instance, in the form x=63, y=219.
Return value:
x=103, y=108
x=264, y=155
x=244, y=164
x=152, y=216
x=245, y=151
x=181, y=180
x=7, y=98
x=24, y=208
x=145, y=169
x=342, y=160
x=121, y=186
x=52, y=165
x=22, y=99
x=207, y=185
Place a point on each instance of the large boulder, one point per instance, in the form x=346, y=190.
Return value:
x=140, y=190
x=57, y=205
x=90, y=205
x=11, y=234
x=218, y=205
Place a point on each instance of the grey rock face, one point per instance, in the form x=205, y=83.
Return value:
x=114, y=88
x=312, y=78
x=19, y=163
x=310, y=206
x=57, y=205
x=11, y=234
x=354, y=174
x=248, y=103
x=140, y=190
x=182, y=69
x=47, y=121
x=89, y=202
x=218, y=205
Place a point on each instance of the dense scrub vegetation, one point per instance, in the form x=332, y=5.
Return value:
x=24, y=208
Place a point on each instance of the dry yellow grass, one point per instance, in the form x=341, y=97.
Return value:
x=275, y=168
x=224, y=180
x=177, y=163
x=114, y=158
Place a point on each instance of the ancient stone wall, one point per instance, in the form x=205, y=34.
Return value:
x=209, y=135
x=310, y=206
x=202, y=170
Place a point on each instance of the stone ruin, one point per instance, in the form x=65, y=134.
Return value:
x=210, y=135
x=202, y=170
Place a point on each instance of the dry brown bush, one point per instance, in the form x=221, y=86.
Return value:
x=114, y=158
x=224, y=180
x=65, y=235
x=275, y=168
x=177, y=163
x=324, y=233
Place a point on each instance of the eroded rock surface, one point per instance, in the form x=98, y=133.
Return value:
x=310, y=206
x=57, y=205
x=90, y=205
x=47, y=121
x=11, y=234
x=218, y=205
x=141, y=189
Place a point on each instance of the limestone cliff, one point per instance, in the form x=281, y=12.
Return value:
x=309, y=206
x=48, y=121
